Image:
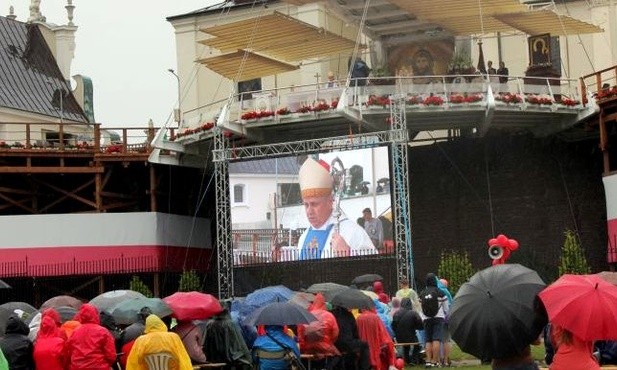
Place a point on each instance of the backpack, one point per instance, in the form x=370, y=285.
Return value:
x=429, y=298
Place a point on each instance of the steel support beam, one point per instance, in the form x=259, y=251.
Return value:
x=400, y=184
x=224, y=245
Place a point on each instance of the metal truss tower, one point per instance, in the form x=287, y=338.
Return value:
x=400, y=186
x=396, y=138
x=224, y=247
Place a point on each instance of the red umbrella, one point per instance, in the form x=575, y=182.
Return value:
x=193, y=305
x=586, y=305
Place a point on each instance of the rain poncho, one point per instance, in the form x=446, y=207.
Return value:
x=381, y=347
x=48, y=348
x=381, y=295
x=405, y=323
x=411, y=294
x=223, y=341
x=383, y=313
x=3, y=364
x=157, y=339
x=36, y=323
x=266, y=343
x=192, y=339
x=319, y=336
x=16, y=346
x=573, y=355
x=91, y=346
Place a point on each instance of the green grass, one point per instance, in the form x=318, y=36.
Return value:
x=457, y=355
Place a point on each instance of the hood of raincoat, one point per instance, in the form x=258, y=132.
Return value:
x=319, y=303
x=154, y=324
x=48, y=328
x=88, y=314
x=431, y=279
x=396, y=302
x=406, y=304
x=54, y=315
x=378, y=287
x=15, y=325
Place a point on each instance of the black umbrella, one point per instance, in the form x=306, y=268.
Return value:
x=280, y=313
x=23, y=309
x=366, y=279
x=496, y=314
x=352, y=298
x=4, y=316
x=327, y=289
x=4, y=285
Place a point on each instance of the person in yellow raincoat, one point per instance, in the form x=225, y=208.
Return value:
x=157, y=339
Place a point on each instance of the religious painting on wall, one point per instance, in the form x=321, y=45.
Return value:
x=421, y=59
x=539, y=50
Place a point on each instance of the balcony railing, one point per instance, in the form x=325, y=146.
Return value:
x=37, y=136
x=444, y=92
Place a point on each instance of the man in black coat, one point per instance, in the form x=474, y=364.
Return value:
x=348, y=342
x=405, y=322
x=16, y=346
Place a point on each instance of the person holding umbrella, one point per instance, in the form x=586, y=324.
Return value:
x=49, y=346
x=572, y=352
x=192, y=338
x=274, y=340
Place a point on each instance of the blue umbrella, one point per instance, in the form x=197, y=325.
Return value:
x=264, y=296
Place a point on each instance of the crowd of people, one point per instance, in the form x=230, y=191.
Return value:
x=340, y=338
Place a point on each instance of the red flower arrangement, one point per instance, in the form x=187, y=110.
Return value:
x=568, y=102
x=509, y=98
x=433, y=100
x=304, y=109
x=414, y=100
x=257, y=114
x=464, y=98
x=283, y=111
x=375, y=100
x=206, y=126
x=538, y=99
x=320, y=107
x=4, y=145
x=606, y=93
x=334, y=104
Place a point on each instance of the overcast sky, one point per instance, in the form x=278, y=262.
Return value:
x=125, y=47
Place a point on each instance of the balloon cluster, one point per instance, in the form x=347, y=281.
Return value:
x=499, y=249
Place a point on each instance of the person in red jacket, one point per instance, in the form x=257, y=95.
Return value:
x=381, y=295
x=318, y=337
x=49, y=346
x=381, y=347
x=91, y=347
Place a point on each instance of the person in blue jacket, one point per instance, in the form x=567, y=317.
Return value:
x=271, y=341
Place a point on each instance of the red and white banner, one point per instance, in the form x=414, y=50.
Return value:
x=610, y=190
x=102, y=243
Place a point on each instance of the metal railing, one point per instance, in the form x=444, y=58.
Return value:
x=303, y=101
x=91, y=138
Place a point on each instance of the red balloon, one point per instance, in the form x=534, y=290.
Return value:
x=399, y=363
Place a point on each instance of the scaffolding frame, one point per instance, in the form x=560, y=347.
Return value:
x=396, y=139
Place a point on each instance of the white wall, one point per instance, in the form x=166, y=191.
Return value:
x=201, y=87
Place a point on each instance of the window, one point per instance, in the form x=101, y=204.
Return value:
x=245, y=88
x=239, y=194
x=289, y=194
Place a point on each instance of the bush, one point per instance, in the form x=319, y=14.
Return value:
x=456, y=268
x=572, y=260
x=189, y=281
x=137, y=285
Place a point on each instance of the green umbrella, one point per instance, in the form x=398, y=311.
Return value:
x=126, y=313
